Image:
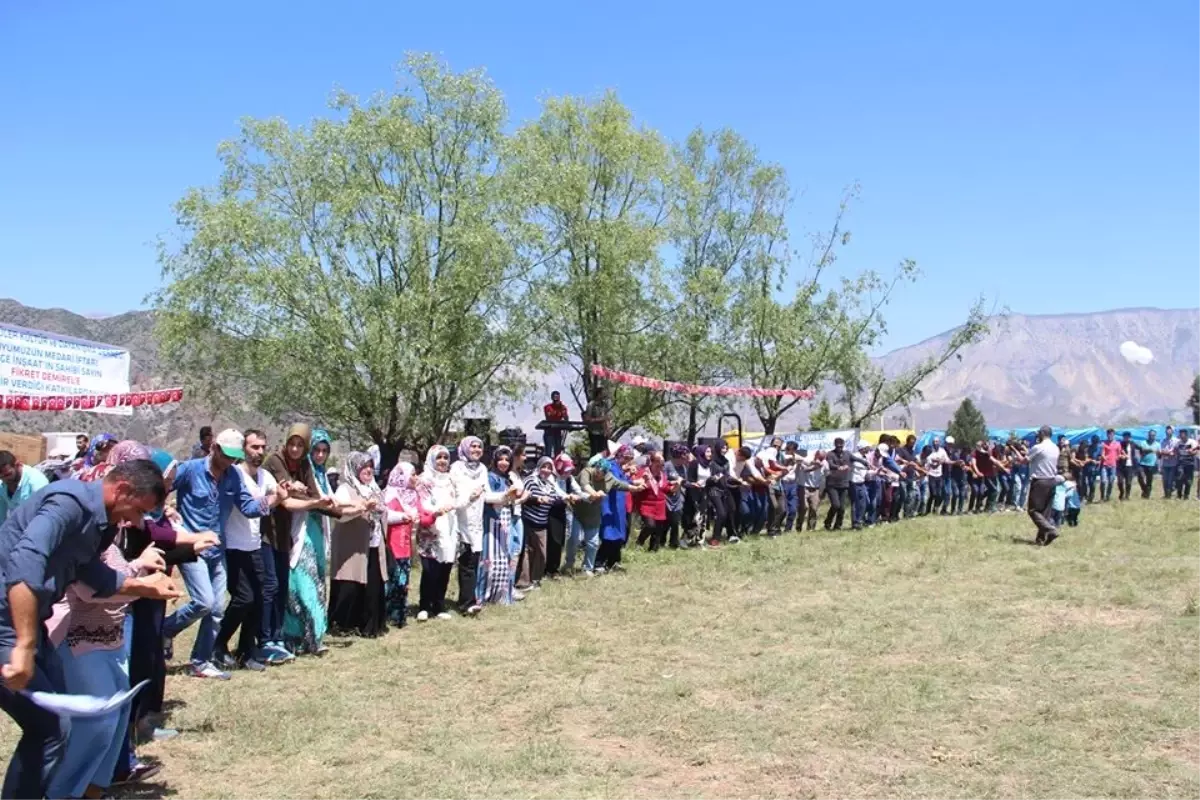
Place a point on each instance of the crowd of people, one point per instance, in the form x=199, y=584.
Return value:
x=302, y=551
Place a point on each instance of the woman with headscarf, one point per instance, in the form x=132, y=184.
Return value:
x=695, y=500
x=294, y=552
x=437, y=536
x=400, y=498
x=470, y=478
x=560, y=526
x=613, y=513
x=493, y=582
x=535, y=513
x=356, y=596
x=595, y=482
x=92, y=635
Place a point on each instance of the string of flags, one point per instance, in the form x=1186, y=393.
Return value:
x=87, y=402
x=642, y=382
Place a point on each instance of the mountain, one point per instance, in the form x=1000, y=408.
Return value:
x=1064, y=369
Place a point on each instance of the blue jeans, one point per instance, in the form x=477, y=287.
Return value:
x=43, y=734
x=911, y=496
x=1168, y=479
x=791, y=505
x=1005, y=481
x=874, y=487
x=1108, y=477
x=516, y=542
x=206, y=582
x=276, y=570
x=858, y=509
x=591, y=543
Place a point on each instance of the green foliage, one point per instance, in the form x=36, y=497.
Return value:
x=391, y=268
x=596, y=189
x=1193, y=401
x=823, y=418
x=968, y=425
x=366, y=272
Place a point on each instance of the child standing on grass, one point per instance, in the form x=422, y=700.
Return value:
x=1072, y=503
x=1058, y=506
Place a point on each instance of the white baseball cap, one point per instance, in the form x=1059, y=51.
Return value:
x=639, y=439
x=949, y=440
x=231, y=443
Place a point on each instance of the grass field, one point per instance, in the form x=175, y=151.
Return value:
x=941, y=658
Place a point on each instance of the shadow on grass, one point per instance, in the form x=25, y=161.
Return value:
x=144, y=791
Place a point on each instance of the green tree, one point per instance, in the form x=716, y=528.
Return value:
x=968, y=425
x=366, y=272
x=823, y=418
x=724, y=200
x=597, y=189
x=1194, y=400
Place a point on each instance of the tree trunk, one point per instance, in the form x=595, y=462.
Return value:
x=691, y=432
x=769, y=424
x=389, y=454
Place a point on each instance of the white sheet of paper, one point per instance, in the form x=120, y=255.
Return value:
x=83, y=705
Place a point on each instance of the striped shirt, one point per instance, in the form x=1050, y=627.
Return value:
x=533, y=512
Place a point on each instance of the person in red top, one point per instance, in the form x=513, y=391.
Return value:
x=651, y=502
x=1110, y=451
x=555, y=411
x=986, y=467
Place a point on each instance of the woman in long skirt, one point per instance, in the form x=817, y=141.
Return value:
x=356, y=594
x=493, y=581
x=306, y=615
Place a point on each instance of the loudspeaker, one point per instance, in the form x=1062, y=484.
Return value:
x=477, y=426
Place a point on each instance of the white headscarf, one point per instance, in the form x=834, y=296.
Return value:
x=432, y=476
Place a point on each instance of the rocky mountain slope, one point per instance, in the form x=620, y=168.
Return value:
x=1065, y=369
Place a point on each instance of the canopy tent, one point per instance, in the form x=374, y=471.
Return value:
x=872, y=437
x=1074, y=435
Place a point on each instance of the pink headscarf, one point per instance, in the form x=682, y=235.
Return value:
x=402, y=485
x=563, y=465
x=127, y=450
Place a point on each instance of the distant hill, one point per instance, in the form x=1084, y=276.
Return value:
x=172, y=426
x=1064, y=369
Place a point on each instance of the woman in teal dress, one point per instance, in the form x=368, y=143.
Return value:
x=306, y=619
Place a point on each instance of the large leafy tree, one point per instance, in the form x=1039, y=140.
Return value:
x=366, y=271
x=597, y=188
x=726, y=203
x=1193, y=401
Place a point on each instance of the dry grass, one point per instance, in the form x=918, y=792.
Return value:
x=933, y=658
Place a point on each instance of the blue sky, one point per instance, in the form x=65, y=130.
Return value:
x=1041, y=156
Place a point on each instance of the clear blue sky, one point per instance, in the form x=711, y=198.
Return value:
x=1043, y=154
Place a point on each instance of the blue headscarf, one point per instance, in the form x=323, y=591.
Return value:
x=162, y=459
x=89, y=458
x=319, y=436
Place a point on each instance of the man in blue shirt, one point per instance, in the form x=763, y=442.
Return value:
x=17, y=483
x=206, y=491
x=1148, y=463
x=49, y=541
x=1167, y=462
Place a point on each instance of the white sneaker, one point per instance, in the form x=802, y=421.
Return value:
x=734, y=539
x=474, y=609
x=517, y=594
x=600, y=570
x=587, y=573
x=422, y=616
x=444, y=615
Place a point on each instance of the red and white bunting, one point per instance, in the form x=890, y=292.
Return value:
x=87, y=402
x=642, y=382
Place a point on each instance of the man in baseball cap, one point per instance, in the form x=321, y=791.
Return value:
x=207, y=490
x=232, y=444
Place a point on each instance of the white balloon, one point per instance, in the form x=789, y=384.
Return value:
x=1135, y=353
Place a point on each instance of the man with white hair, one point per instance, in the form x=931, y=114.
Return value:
x=1044, y=477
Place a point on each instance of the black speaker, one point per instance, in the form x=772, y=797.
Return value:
x=477, y=426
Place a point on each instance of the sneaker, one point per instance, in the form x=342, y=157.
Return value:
x=587, y=573
x=599, y=571
x=617, y=568
x=274, y=655
x=323, y=651
x=279, y=648
x=734, y=539
x=444, y=615
x=253, y=664
x=225, y=661
x=168, y=645
x=422, y=616
x=473, y=609
x=209, y=670
x=517, y=595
